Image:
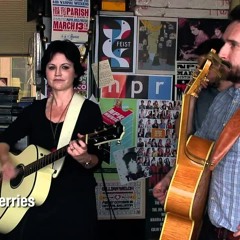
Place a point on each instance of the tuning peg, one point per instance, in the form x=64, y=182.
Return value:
x=82, y=59
x=95, y=7
x=45, y=39
x=40, y=27
x=40, y=14
x=89, y=31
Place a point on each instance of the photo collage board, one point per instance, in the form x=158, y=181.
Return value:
x=156, y=136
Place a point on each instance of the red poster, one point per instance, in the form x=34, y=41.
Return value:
x=114, y=115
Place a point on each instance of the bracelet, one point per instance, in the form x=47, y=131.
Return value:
x=88, y=163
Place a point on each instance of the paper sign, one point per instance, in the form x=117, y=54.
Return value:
x=102, y=71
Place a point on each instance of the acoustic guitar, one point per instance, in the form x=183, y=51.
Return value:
x=188, y=190
x=35, y=168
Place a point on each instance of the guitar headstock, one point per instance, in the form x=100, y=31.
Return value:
x=108, y=133
x=211, y=60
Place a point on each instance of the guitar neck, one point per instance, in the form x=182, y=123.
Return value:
x=189, y=99
x=186, y=120
x=107, y=134
x=45, y=160
x=188, y=104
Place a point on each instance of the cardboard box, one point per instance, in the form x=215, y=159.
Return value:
x=199, y=4
x=184, y=13
x=113, y=5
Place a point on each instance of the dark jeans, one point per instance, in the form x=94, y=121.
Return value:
x=209, y=232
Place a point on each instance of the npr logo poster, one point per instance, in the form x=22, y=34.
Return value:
x=140, y=87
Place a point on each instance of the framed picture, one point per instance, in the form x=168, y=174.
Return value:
x=116, y=41
x=156, y=45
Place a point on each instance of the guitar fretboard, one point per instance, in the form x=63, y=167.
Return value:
x=44, y=161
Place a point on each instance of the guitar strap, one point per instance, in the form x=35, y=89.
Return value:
x=67, y=129
x=227, y=138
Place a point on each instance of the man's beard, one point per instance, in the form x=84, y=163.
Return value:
x=234, y=74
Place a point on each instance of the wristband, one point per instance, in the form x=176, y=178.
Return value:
x=88, y=163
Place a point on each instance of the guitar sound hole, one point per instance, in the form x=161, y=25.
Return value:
x=15, y=182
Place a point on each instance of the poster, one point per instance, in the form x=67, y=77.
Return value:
x=156, y=47
x=154, y=151
x=154, y=216
x=140, y=86
x=185, y=70
x=115, y=114
x=70, y=20
x=130, y=165
x=156, y=136
x=127, y=202
x=129, y=137
x=157, y=146
x=116, y=41
x=193, y=32
x=83, y=86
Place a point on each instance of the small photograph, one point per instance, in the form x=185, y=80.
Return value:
x=130, y=165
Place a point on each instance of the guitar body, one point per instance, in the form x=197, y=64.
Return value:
x=34, y=176
x=35, y=185
x=187, y=193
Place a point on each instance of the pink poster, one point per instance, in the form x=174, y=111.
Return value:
x=115, y=114
x=70, y=20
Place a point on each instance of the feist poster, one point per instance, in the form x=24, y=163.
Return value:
x=115, y=41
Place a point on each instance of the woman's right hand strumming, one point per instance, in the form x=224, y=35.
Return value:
x=8, y=170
